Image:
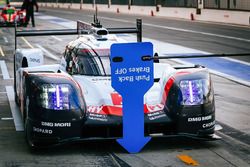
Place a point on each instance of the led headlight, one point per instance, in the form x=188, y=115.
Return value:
x=193, y=91
x=55, y=97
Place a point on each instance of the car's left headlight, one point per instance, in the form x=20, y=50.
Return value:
x=194, y=91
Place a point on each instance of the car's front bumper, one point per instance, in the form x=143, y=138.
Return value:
x=46, y=133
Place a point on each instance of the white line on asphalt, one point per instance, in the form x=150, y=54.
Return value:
x=14, y=109
x=181, y=29
x=197, y=32
x=113, y=19
x=5, y=39
x=27, y=42
x=177, y=29
x=167, y=48
x=237, y=61
x=47, y=52
x=6, y=119
x=1, y=51
x=5, y=72
x=59, y=39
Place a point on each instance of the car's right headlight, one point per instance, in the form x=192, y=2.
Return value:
x=57, y=97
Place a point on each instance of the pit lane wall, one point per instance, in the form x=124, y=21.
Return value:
x=210, y=15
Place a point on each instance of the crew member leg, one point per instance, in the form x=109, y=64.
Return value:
x=27, y=19
x=33, y=20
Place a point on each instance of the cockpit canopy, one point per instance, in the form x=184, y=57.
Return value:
x=87, y=61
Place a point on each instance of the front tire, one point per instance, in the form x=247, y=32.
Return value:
x=27, y=129
x=28, y=136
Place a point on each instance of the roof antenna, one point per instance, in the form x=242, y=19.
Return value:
x=96, y=23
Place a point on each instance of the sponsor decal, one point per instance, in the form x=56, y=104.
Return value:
x=44, y=131
x=98, y=117
x=34, y=60
x=156, y=115
x=198, y=119
x=153, y=108
x=208, y=125
x=94, y=109
x=65, y=124
x=56, y=124
x=101, y=79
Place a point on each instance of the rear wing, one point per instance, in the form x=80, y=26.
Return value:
x=82, y=28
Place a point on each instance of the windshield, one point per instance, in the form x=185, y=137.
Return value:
x=106, y=63
x=104, y=58
x=92, y=62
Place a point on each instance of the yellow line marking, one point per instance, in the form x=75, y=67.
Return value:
x=27, y=42
x=1, y=51
x=187, y=160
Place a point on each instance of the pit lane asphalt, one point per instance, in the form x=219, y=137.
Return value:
x=215, y=39
x=230, y=151
x=181, y=32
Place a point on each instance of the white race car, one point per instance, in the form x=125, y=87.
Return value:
x=74, y=100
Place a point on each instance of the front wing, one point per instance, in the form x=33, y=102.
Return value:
x=52, y=126
x=42, y=132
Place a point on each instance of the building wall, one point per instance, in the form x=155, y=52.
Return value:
x=227, y=4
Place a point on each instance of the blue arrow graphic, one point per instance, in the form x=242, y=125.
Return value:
x=133, y=124
x=132, y=78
